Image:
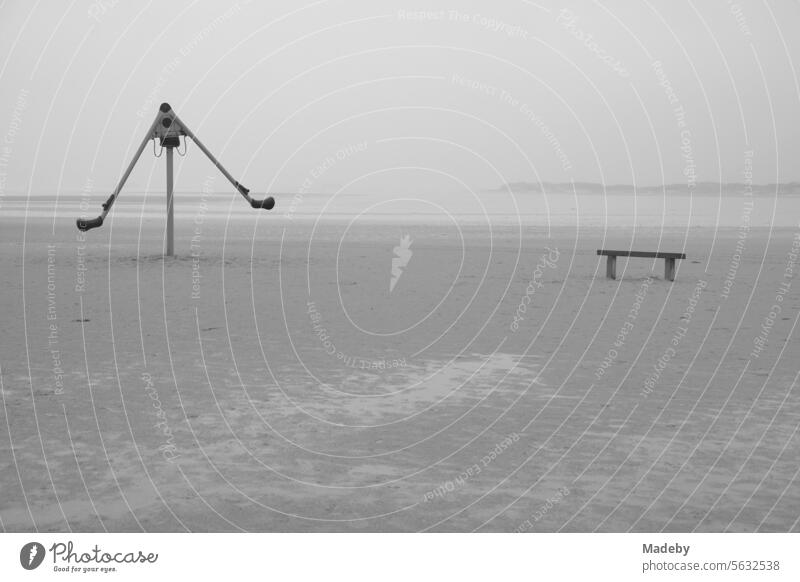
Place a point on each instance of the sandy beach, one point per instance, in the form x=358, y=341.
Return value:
x=271, y=378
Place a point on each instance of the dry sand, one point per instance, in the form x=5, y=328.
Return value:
x=276, y=384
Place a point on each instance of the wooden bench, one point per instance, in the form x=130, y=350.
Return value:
x=669, y=261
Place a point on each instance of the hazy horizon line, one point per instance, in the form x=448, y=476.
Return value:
x=523, y=186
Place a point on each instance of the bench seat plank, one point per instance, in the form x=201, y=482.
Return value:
x=643, y=254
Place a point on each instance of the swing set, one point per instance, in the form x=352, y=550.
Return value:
x=168, y=128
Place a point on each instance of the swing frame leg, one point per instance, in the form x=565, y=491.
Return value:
x=88, y=224
x=268, y=203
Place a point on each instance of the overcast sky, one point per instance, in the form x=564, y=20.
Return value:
x=401, y=97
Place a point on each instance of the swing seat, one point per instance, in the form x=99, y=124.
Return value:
x=85, y=224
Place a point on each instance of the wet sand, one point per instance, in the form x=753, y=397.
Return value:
x=267, y=379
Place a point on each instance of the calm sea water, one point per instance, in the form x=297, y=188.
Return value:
x=471, y=208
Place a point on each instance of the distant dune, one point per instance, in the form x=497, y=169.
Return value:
x=701, y=188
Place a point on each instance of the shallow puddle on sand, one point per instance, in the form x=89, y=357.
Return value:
x=413, y=390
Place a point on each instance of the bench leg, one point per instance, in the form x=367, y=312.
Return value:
x=611, y=267
x=669, y=269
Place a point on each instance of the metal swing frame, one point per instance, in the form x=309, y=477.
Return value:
x=167, y=127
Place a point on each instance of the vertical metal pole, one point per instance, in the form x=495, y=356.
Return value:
x=170, y=250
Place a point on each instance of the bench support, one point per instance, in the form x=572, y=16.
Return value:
x=611, y=267
x=669, y=260
x=669, y=269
